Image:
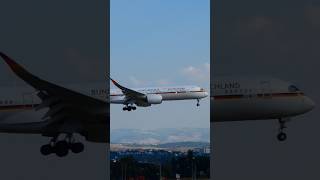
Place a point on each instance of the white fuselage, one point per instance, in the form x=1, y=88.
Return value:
x=232, y=99
x=17, y=103
x=256, y=99
x=167, y=93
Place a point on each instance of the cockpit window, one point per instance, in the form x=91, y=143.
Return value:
x=293, y=88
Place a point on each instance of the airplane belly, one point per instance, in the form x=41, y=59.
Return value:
x=170, y=96
x=22, y=116
x=26, y=121
x=117, y=99
x=180, y=96
x=257, y=108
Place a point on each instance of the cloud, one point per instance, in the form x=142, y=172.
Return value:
x=136, y=82
x=197, y=73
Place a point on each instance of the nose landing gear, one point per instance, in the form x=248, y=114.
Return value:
x=282, y=136
x=198, y=102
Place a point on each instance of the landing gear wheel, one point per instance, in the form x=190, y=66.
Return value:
x=77, y=148
x=46, y=149
x=124, y=108
x=134, y=108
x=282, y=136
x=62, y=148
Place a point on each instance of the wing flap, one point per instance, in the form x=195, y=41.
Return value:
x=68, y=110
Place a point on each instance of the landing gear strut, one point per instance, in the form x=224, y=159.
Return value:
x=129, y=108
x=282, y=136
x=61, y=148
x=198, y=102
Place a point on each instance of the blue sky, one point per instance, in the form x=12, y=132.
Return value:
x=160, y=43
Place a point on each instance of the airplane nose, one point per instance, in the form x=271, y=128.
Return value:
x=309, y=103
x=206, y=94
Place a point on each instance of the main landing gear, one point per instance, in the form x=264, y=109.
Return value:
x=129, y=108
x=61, y=148
x=198, y=102
x=282, y=136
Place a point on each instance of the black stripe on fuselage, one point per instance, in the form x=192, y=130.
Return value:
x=235, y=96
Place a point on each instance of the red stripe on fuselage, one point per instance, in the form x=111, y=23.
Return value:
x=258, y=95
x=17, y=107
x=172, y=92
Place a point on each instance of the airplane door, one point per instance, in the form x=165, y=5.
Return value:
x=266, y=90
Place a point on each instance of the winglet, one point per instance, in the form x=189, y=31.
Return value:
x=13, y=65
x=20, y=71
x=115, y=83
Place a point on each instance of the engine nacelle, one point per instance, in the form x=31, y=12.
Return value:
x=154, y=99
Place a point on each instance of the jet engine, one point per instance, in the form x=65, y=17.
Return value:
x=154, y=99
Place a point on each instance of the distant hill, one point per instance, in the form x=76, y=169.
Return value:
x=190, y=145
x=176, y=146
x=160, y=136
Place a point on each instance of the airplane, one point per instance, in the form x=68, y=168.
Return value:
x=84, y=111
x=145, y=97
x=59, y=111
x=259, y=98
x=74, y=110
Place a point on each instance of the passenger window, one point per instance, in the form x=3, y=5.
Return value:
x=293, y=88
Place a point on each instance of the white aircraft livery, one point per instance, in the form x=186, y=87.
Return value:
x=76, y=109
x=257, y=99
x=54, y=110
x=149, y=96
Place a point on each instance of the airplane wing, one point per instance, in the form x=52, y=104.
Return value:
x=69, y=111
x=131, y=94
